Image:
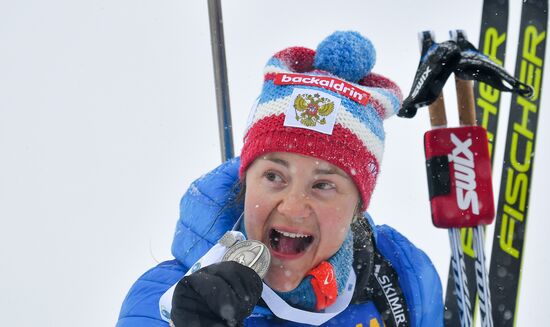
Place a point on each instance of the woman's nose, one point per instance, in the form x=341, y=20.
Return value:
x=295, y=204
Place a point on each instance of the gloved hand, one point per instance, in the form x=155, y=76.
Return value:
x=222, y=294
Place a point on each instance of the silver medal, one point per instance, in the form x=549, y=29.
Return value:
x=251, y=253
x=228, y=239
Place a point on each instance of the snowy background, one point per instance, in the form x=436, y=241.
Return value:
x=107, y=113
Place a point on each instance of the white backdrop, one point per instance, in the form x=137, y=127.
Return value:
x=107, y=113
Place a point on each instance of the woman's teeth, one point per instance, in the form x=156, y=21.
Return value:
x=289, y=243
x=293, y=235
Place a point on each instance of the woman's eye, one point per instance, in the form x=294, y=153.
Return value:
x=273, y=177
x=324, y=186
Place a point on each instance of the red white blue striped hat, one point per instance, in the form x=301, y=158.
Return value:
x=325, y=104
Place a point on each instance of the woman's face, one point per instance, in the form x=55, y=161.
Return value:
x=301, y=208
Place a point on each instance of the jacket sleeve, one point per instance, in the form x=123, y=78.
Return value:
x=207, y=210
x=141, y=306
x=417, y=277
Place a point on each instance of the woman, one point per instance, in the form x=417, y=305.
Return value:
x=309, y=163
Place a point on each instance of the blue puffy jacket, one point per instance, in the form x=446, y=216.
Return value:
x=201, y=224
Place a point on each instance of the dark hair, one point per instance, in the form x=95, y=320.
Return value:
x=239, y=190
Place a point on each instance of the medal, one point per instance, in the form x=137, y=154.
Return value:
x=250, y=253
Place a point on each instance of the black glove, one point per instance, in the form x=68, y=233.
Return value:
x=222, y=294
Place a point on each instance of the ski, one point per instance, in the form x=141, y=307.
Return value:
x=519, y=155
x=492, y=42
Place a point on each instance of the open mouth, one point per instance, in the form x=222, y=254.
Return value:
x=289, y=243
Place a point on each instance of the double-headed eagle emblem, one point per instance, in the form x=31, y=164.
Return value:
x=312, y=108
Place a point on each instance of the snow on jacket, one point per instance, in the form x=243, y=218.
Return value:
x=206, y=213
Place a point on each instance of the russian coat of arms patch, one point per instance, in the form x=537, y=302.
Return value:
x=312, y=109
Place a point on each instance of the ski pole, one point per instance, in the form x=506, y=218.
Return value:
x=467, y=117
x=438, y=119
x=461, y=281
x=220, y=79
x=465, y=98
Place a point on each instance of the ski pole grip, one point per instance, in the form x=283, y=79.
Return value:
x=465, y=99
x=459, y=177
x=438, y=118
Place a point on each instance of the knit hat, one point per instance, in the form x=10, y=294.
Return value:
x=325, y=104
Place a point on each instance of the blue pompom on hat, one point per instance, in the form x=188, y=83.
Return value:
x=346, y=54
